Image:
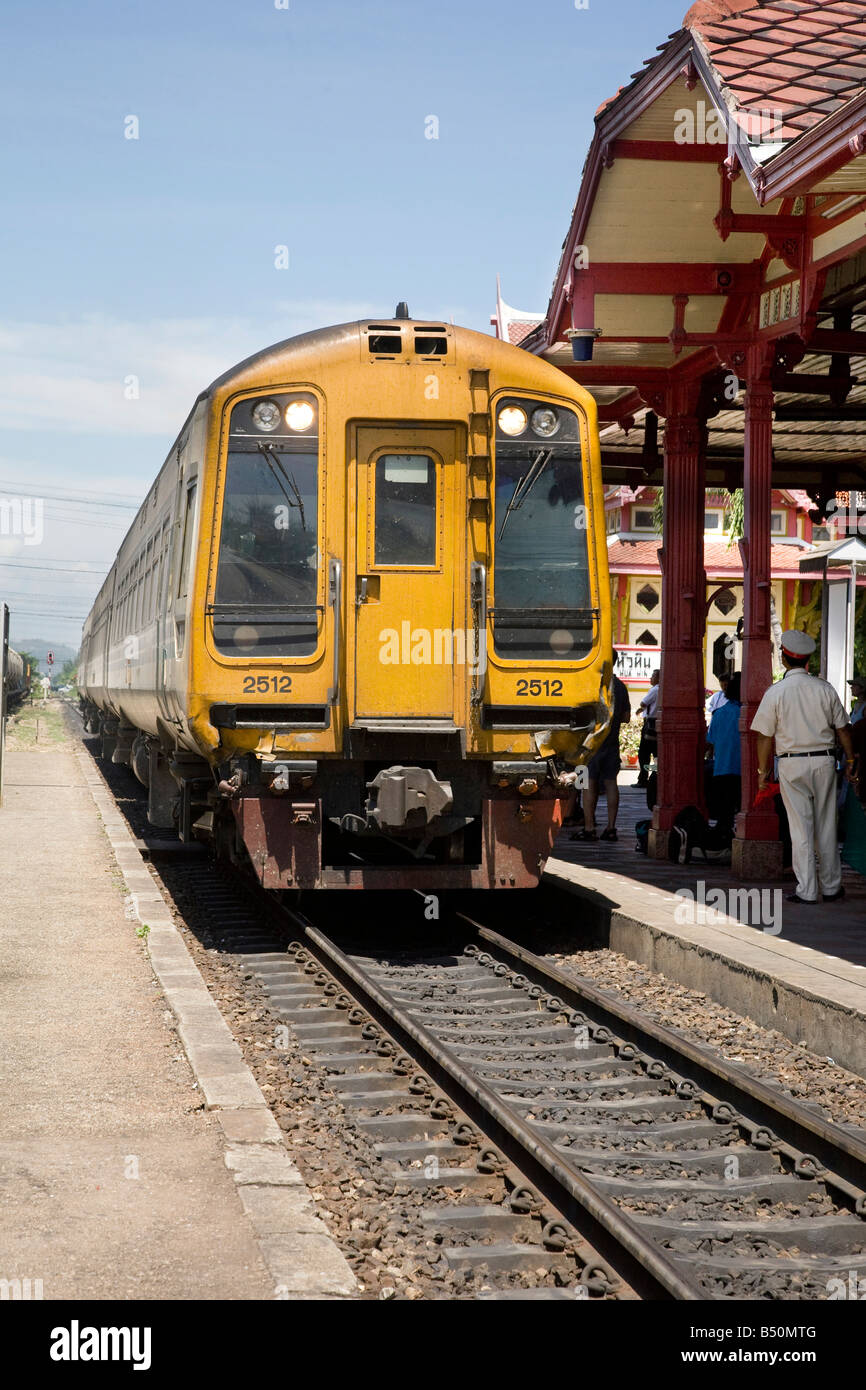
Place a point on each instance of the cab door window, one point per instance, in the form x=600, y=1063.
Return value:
x=405, y=511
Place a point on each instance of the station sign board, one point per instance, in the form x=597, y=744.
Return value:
x=636, y=664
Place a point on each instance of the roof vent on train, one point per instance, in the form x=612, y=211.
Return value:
x=403, y=336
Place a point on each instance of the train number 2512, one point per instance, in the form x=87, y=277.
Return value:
x=265, y=684
x=539, y=688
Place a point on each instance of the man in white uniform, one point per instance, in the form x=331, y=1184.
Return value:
x=805, y=717
x=648, y=707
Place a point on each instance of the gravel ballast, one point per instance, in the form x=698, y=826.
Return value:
x=818, y=1082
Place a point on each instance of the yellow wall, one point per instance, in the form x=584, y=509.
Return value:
x=639, y=620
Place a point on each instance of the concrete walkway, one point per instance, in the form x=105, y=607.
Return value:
x=115, y=1178
x=837, y=929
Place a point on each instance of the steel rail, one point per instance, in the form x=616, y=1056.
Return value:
x=599, y=1207
x=832, y=1139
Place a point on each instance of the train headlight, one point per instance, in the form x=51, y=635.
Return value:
x=266, y=416
x=545, y=421
x=299, y=415
x=512, y=420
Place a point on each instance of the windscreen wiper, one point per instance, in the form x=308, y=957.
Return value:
x=524, y=485
x=274, y=462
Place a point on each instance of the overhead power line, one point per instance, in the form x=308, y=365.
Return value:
x=79, y=495
x=53, y=569
x=35, y=613
x=56, y=569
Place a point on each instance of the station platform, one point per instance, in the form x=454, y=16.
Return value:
x=138, y=1157
x=796, y=968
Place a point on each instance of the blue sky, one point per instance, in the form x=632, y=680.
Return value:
x=305, y=127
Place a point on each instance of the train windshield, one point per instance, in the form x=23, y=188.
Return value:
x=268, y=573
x=541, y=594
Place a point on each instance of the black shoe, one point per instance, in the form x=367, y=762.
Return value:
x=642, y=782
x=609, y=834
x=834, y=897
x=794, y=898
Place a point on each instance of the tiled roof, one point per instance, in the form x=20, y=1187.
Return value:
x=801, y=498
x=801, y=58
x=518, y=331
x=626, y=557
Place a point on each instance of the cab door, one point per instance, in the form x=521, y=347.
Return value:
x=408, y=561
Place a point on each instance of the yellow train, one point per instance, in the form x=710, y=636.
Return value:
x=360, y=628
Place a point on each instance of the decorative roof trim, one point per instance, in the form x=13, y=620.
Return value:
x=612, y=120
x=831, y=144
x=771, y=172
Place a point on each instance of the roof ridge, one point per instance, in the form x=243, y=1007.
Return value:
x=831, y=22
x=723, y=9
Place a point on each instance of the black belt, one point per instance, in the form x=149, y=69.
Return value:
x=819, y=753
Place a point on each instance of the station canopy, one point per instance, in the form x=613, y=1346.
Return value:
x=721, y=208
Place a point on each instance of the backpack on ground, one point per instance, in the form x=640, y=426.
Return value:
x=642, y=830
x=692, y=832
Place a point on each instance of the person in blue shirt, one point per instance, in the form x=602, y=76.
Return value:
x=724, y=736
x=858, y=691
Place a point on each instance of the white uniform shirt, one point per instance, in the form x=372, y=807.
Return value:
x=650, y=701
x=716, y=701
x=801, y=712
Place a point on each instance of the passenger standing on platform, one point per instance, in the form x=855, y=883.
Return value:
x=648, y=739
x=805, y=717
x=718, y=699
x=858, y=690
x=853, y=820
x=604, y=766
x=724, y=738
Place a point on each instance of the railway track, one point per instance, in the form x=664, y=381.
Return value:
x=608, y=1151
x=710, y=1184
x=552, y=1128
x=477, y=1206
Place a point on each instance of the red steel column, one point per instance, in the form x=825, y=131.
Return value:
x=757, y=670
x=682, y=727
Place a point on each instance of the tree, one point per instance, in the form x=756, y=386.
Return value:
x=733, y=506
x=68, y=674
x=31, y=663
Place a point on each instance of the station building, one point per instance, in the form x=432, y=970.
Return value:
x=636, y=580
x=711, y=294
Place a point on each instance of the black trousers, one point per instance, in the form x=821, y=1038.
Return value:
x=723, y=799
x=647, y=748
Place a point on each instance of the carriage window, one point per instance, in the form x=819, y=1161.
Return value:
x=405, y=510
x=268, y=576
x=183, y=577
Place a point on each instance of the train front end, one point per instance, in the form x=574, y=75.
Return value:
x=406, y=645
